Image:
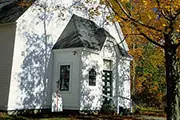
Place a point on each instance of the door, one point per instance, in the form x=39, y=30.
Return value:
x=65, y=86
x=107, y=85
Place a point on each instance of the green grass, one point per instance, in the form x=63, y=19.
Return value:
x=51, y=116
x=149, y=111
x=56, y=119
x=13, y=118
x=5, y=116
x=24, y=118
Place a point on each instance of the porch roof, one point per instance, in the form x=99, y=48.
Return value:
x=85, y=34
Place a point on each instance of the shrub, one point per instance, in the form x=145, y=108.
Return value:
x=108, y=107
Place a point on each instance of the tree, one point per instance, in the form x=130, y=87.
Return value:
x=150, y=77
x=147, y=71
x=158, y=22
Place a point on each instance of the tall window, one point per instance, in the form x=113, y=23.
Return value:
x=64, y=77
x=92, y=77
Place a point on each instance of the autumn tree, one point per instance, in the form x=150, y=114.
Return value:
x=158, y=22
x=147, y=70
x=150, y=77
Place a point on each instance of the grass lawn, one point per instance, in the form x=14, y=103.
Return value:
x=70, y=116
x=54, y=118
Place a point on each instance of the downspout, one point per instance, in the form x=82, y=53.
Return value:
x=52, y=78
x=117, y=88
x=80, y=77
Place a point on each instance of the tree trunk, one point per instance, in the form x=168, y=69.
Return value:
x=173, y=84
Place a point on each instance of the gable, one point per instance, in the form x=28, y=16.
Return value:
x=109, y=49
x=112, y=49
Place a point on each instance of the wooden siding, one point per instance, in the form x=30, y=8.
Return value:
x=7, y=35
x=124, y=83
x=90, y=96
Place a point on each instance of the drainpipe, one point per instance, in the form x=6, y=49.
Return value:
x=117, y=88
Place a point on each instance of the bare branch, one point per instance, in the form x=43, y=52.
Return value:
x=162, y=11
x=123, y=39
x=151, y=40
x=171, y=16
x=157, y=1
x=123, y=9
x=177, y=14
x=165, y=16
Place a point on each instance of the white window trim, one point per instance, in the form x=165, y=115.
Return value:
x=70, y=77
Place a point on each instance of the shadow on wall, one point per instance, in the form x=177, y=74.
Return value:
x=91, y=98
x=33, y=79
x=122, y=95
x=124, y=81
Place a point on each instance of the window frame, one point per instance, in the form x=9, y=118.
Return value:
x=70, y=76
x=93, y=77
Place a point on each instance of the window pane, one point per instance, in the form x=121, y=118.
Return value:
x=64, y=77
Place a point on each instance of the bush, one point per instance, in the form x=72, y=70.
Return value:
x=124, y=111
x=108, y=107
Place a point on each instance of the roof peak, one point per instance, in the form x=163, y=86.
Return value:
x=90, y=35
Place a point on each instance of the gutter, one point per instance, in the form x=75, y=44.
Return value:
x=9, y=23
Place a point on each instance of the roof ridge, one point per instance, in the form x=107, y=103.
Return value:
x=90, y=35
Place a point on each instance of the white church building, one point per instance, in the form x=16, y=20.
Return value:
x=50, y=63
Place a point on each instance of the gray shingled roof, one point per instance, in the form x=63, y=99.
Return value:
x=11, y=12
x=85, y=34
x=81, y=32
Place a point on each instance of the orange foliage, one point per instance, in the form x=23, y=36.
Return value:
x=24, y=3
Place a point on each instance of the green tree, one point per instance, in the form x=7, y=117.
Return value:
x=150, y=77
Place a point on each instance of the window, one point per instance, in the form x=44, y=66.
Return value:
x=92, y=77
x=107, y=64
x=64, y=77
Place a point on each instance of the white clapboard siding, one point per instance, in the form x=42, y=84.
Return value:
x=90, y=96
x=124, y=83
